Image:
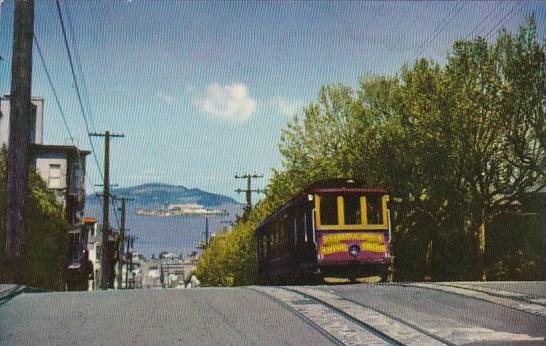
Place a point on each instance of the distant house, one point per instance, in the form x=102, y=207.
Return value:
x=94, y=250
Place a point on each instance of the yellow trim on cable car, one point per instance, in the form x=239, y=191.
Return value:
x=341, y=215
x=371, y=242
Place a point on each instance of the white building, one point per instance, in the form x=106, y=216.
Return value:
x=63, y=170
x=36, y=131
x=62, y=167
x=94, y=250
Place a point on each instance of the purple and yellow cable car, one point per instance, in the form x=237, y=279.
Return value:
x=334, y=228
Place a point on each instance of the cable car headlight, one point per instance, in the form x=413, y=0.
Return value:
x=354, y=250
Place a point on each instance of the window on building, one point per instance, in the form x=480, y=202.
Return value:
x=32, y=125
x=328, y=209
x=351, y=206
x=78, y=176
x=373, y=208
x=54, y=176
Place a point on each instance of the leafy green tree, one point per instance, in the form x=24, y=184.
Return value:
x=499, y=155
x=47, y=238
x=460, y=146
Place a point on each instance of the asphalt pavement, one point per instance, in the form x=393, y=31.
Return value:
x=364, y=314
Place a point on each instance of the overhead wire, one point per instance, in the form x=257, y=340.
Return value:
x=477, y=28
x=58, y=103
x=440, y=27
x=52, y=87
x=70, y=60
x=77, y=60
x=503, y=20
x=85, y=92
x=79, y=93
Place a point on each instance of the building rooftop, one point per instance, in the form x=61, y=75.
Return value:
x=37, y=148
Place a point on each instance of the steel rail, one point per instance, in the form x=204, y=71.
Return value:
x=349, y=317
x=520, y=297
x=404, y=322
x=536, y=309
x=300, y=315
x=368, y=326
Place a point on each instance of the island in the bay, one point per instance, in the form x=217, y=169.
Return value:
x=158, y=199
x=180, y=210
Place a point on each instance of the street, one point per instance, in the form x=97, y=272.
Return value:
x=492, y=313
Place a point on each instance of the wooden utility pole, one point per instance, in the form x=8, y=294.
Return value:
x=206, y=231
x=248, y=189
x=122, y=243
x=106, y=258
x=130, y=240
x=127, y=269
x=19, y=133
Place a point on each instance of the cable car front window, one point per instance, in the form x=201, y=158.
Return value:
x=328, y=209
x=351, y=206
x=373, y=209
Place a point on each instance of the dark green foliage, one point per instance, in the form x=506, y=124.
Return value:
x=47, y=238
x=461, y=148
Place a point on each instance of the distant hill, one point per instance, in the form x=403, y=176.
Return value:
x=157, y=195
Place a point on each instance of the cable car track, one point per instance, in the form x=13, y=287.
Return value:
x=525, y=298
x=530, y=307
x=349, y=322
x=302, y=316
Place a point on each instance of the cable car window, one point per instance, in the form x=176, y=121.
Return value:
x=351, y=206
x=328, y=210
x=373, y=209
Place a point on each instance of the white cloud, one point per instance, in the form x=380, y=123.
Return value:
x=287, y=107
x=166, y=98
x=229, y=102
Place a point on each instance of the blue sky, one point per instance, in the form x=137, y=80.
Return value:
x=202, y=90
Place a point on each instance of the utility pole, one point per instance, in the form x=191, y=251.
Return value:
x=122, y=242
x=130, y=240
x=129, y=254
x=19, y=121
x=206, y=231
x=248, y=189
x=106, y=258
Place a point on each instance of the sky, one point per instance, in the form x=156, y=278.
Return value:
x=202, y=90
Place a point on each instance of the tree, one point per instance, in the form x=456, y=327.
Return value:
x=459, y=146
x=499, y=153
x=47, y=238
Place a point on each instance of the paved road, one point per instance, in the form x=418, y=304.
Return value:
x=457, y=316
x=418, y=314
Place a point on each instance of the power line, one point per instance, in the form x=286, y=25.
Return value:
x=77, y=60
x=56, y=96
x=53, y=90
x=484, y=19
x=440, y=28
x=77, y=88
x=502, y=21
x=85, y=90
